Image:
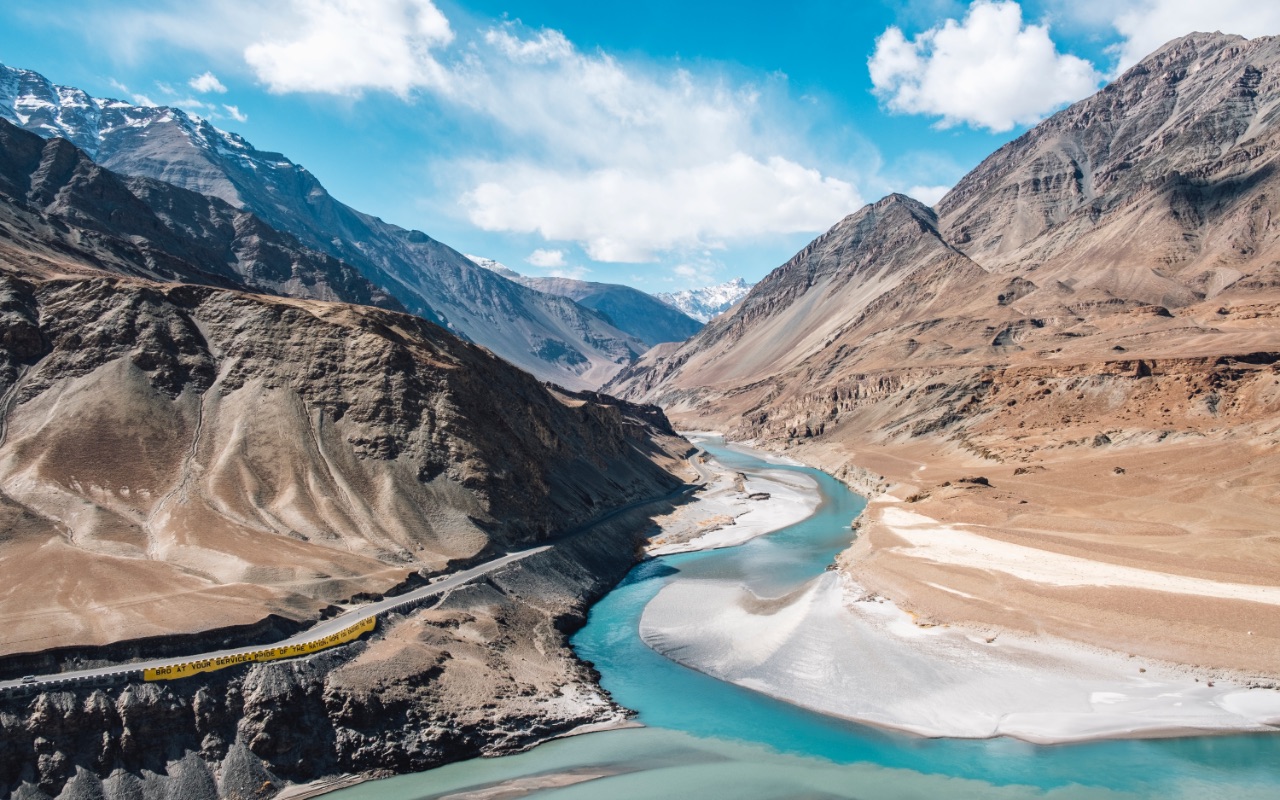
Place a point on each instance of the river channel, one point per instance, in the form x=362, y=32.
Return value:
x=707, y=739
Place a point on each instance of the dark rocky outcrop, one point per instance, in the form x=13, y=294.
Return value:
x=485, y=671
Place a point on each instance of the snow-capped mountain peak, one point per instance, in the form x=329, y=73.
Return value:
x=708, y=302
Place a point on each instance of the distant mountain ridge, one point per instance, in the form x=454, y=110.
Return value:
x=638, y=313
x=708, y=302
x=550, y=336
x=81, y=216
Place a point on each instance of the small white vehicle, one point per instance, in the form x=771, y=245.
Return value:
x=28, y=678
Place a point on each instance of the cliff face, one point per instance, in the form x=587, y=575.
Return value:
x=1157, y=189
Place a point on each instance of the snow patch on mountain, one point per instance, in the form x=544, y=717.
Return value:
x=494, y=266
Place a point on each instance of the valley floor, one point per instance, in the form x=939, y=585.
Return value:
x=838, y=647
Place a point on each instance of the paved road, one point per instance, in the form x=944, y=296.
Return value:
x=327, y=627
x=318, y=631
x=705, y=475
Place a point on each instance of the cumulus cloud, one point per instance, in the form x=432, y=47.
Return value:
x=988, y=71
x=546, y=258
x=629, y=215
x=929, y=195
x=207, y=82
x=235, y=113
x=633, y=162
x=349, y=46
x=1148, y=24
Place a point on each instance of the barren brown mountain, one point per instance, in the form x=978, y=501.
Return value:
x=199, y=448
x=1089, y=324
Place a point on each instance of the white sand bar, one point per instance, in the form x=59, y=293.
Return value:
x=724, y=513
x=944, y=544
x=866, y=660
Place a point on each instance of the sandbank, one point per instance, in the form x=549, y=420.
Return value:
x=833, y=649
x=733, y=508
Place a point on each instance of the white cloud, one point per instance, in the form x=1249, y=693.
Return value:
x=136, y=98
x=545, y=46
x=347, y=46
x=546, y=258
x=631, y=162
x=207, y=82
x=1149, y=24
x=235, y=113
x=629, y=215
x=988, y=71
x=929, y=195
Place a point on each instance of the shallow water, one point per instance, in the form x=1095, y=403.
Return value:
x=709, y=739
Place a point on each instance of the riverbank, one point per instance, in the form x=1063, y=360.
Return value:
x=733, y=507
x=831, y=646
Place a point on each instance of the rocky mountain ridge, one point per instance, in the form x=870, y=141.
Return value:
x=84, y=217
x=639, y=314
x=547, y=335
x=708, y=302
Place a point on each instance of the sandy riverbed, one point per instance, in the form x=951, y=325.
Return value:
x=733, y=508
x=831, y=647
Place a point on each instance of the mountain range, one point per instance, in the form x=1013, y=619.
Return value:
x=548, y=335
x=639, y=314
x=708, y=302
x=213, y=435
x=1086, y=321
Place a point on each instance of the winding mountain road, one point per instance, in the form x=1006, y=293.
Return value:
x=314, y=633
x=349, y=618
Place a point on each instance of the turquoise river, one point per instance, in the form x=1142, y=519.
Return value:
x=709, y=740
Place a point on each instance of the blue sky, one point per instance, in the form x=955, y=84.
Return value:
x=661, y=144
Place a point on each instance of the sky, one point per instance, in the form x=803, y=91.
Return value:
x=661, y=144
